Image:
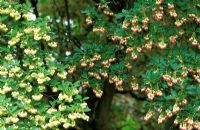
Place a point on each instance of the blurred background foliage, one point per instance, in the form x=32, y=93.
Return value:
x=57, y=9
x=126, y=113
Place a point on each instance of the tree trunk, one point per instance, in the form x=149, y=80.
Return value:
x=102, y=120
x=34, y=5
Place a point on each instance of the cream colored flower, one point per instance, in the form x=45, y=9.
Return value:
x=72, y=116
x=31, y=67
x=22, y=114
x=37, y=37
x=3, y=27
x=40, y=81
x=15, y=14
x=37, y=97
x=46, y=37
x=9, y=57
x=13, y=41
x=53, y=44
x=66, y=125
x=15, y=94
x=54, y=89
x=36, y=30
x=62, y=107
x=83, y=105
x=29, y=88
x=41, y=75
x=14, y=119
x=29, y=16
x=3, y=71
x=15, y=69
x=26, y=100
x=62, y=75
x=51, y=110
x=28, y=30
x=30, y=51
x=33, y=111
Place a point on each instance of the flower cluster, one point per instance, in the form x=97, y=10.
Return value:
x=15, y=14
x=3, y=27
x=90, y=62
x=117, y=81
x=99, y=29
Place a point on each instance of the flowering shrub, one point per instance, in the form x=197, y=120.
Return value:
x=34, y=92
x=157, y=40
x=172, y=86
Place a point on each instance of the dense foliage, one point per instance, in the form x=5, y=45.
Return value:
x=158, y=40
x=33, y=90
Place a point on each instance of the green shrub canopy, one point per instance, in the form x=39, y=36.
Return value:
x=33, y=91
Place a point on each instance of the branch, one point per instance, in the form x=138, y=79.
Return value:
x=19, y=53
x=140, y=98
x=57, y=8
x=22, y=1
x=68, y=18
x=75, y=41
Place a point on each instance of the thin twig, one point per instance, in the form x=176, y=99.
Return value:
x=68, y=18
x=57, y=8
x=22, y=1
